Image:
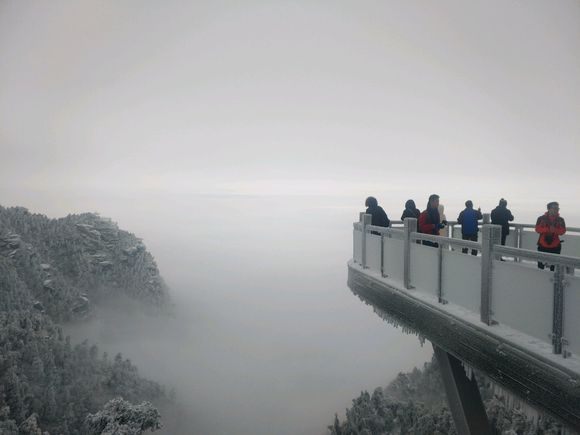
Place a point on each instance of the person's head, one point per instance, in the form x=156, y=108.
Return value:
x=553, y=208
x=410, y=204
x=371, y=201
x=469, y=203
x=433, y=201
x=502, y=203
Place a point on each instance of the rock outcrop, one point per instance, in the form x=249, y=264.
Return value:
x=70, y=262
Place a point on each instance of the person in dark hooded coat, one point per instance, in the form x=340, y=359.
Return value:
x=501, y=215
x=411, y=210
x=380, y=218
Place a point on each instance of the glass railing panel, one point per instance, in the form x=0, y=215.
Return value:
x=512, y=239
x=393, y=251
x=357, y=246
x=572, y=314
x=523, y=298
x=424, y=268
x=373, y=254
x=461, y=279
x=529, y=240
x=571, y=245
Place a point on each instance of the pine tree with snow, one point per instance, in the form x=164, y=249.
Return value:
x=120, y=417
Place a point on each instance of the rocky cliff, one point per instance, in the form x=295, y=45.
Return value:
x=51, y=270
x=67, y=263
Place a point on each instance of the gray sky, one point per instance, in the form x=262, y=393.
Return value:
x=464, y=98
x=155, y=112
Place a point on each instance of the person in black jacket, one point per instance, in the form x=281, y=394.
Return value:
x=380, y=218
x=411, y=210
x=501, y=215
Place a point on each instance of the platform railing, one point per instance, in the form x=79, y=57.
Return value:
x=521, y=236
x=543, y=304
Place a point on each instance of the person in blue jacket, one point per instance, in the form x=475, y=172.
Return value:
x=468, y=219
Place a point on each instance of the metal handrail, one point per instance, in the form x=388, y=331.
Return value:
x=515, y=226
x=564, y=260
x=446, y=240
x=511, y=225
x=491, y=250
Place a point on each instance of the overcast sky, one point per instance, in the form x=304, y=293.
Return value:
x=104, y=103
x=277, y=97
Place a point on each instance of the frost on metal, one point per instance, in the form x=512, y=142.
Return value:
x=393, y=320
x=468, y=370
x=513, y=401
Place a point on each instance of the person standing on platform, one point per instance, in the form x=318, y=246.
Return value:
x=411, y=210
x=550, y=226
x=444, y=232
x=379, y=217
x=468, y=219
x=430, y=221
x=502, y=216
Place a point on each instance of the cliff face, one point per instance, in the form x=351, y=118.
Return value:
x=67, y=263
x=51, y=270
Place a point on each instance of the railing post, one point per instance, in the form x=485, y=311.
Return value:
x=410, y=226
x=558, y=315
x=383, y=255
x=440, y=274
x=519, y=233
x=491, y=235
x=365, y=220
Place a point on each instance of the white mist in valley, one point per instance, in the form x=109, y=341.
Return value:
x=266, y=338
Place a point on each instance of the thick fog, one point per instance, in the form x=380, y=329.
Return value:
x=239, y=140
x=267, y=338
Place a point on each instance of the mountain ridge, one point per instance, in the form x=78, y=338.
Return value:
x=52, y=271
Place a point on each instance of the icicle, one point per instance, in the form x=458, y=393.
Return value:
x=393, y=320
x=514, y=402
x=468, y=370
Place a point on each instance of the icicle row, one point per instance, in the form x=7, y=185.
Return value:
x=393, y=320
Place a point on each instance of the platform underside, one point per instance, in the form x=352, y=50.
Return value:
x=538, y=381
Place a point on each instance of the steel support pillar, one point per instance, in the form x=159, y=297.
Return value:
x=463, y=396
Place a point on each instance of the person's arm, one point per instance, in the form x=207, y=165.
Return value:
x=460, y=218
x=560, y=227
x=479, y=215
x=542, y=226
x=510, y=216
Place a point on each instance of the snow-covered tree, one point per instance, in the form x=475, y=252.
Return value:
x=120, y=417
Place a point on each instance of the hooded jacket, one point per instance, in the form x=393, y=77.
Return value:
x=548, y=238
x=411, y=210
x=380, y=218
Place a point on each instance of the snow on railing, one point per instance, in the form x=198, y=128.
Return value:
x=521, y=236
x=541, y=303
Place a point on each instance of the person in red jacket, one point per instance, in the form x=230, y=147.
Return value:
x=550, y=226
x=430, y=221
